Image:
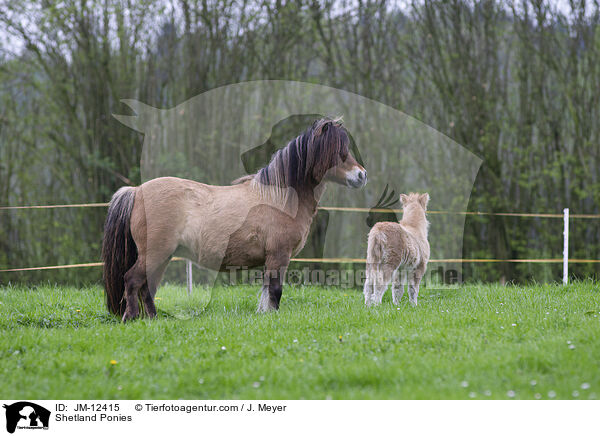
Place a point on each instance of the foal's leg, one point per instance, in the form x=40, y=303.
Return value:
x=369, y=282
x=384, y=277
x=397, y=286
x=413, y=291
x=414, y=281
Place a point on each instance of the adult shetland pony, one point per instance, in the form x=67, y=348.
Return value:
x=260, y=220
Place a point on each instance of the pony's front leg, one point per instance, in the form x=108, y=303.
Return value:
x=272, y=289
x=263, y=299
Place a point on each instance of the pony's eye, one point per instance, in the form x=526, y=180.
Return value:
x=344, y=154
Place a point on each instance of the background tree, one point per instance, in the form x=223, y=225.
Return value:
x=517, y=83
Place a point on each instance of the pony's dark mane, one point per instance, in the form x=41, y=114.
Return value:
x=303, y=162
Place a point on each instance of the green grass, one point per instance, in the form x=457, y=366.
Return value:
x=471, y=342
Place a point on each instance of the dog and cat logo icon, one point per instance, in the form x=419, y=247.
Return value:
x=26, y=415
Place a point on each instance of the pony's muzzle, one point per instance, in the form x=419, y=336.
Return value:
x=357, y=178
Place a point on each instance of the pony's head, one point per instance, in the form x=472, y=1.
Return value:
x=382, y=211
x=320, y=154
x=331, y=155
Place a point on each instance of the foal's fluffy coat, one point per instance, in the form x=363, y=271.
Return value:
x=398, y=252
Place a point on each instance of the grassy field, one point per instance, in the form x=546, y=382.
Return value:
x=472, y=342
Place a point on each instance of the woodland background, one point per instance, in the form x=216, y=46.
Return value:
x=517, y=83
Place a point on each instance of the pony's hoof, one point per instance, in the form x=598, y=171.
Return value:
x=265, y=309
x=128, y=317
x=150, y=313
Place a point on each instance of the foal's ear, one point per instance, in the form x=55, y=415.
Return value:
x=424, y=200
x=403, y=199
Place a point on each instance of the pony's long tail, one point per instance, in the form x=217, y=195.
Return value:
x=119, y=251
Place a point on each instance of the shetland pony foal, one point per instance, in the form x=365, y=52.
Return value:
x=396, y=249
x=260, y=220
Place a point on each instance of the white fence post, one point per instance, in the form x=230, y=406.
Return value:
x=188, y=270
x=566, y=246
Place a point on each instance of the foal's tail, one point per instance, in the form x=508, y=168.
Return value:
x=376, y=249
x=119, y=251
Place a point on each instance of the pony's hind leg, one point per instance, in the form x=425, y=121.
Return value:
x=142, y=281
x=155, y=273
x=135, y=279
x=147, y=301
x=397, y=287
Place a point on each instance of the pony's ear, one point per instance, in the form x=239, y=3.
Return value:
x=325, y=123
x=424, y=200
x=403, y=199
x=321, y=126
